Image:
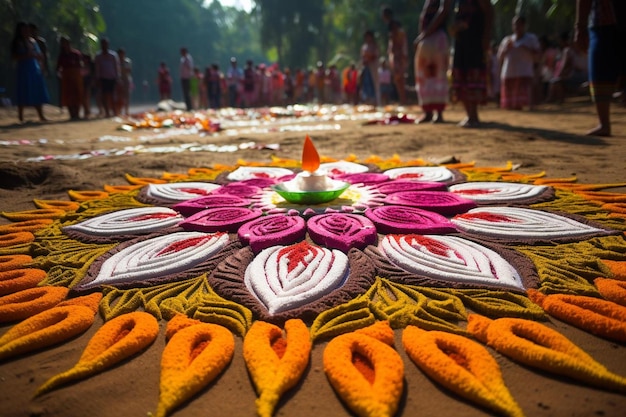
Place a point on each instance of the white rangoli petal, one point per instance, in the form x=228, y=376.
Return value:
x=341, y=168
x=493, y=192
x=520, y=222
x=281, y=286
x=179, y=191
x=157, y=257
x=450, y=258
x=249, y=173
x=141, y=220
x=433, y=174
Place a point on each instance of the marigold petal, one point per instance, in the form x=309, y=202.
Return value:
x=28, y=302
x=115, y=341
x=8, y=262
x=612, y=289
x=539, y=346
x=600, y=317
x=275, y=370
x=90, y=301
x=20, y=279
x=45, y=329
x=193, y=357
x=381, y=330
x=617, y=268
x=378, y=398
x=462, y=366
x=25, y=226
x=16, y=238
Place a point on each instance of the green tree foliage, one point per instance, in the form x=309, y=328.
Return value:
x=152, y=32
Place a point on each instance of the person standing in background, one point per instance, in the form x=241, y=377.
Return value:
x=370, y=85
x=517, y=56
x=472, y=32
x=164, y=80
x=601, y=28
x=107, y=73
x=30, y=86
x=432, y=60
x=234, y=77
x=69, y=69
x=397, y=53
x=125, y=86
x=186, y=72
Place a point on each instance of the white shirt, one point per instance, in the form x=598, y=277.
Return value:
x=186, y=67
x=519, y=60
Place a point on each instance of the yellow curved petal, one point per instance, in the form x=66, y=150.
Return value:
x=115, y=341
x=36, y=214
x=462, y=366
x=600, y=317
x=367, y=374
x=45, y=329
x=87, y=195
x=275, y=362
x=28, y=302
x=193, y=357
x=539, y=346
x=143, y=180
x=57, y=204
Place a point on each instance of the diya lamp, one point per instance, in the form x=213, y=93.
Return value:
x=310, y=186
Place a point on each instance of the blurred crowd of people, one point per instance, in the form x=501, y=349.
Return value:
x=455, y=60
x=80, y=77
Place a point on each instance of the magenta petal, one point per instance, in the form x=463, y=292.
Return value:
x=192, y=207
x=441, y=202
x=402, y=219
x=342, y=231
x=367, y=178
x=401, y=186
x=274, y=230
x=223, y=219
x=259, y=182
x=238, y=189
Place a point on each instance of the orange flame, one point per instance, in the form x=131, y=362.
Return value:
x=310, y=157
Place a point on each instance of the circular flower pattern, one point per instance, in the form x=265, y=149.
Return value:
x=408, y=245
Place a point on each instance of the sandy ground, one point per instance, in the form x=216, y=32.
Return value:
x=548, y=139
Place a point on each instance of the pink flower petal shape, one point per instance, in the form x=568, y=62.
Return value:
x=238, y=189
x=191, y=207
x=401, y=186
x=272, y=230
x=438, y=201
x=342, y=231
x=366, y=178
x=223, y=219
x=402, y=219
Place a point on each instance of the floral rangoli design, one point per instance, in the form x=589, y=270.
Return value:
x=453, y=257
